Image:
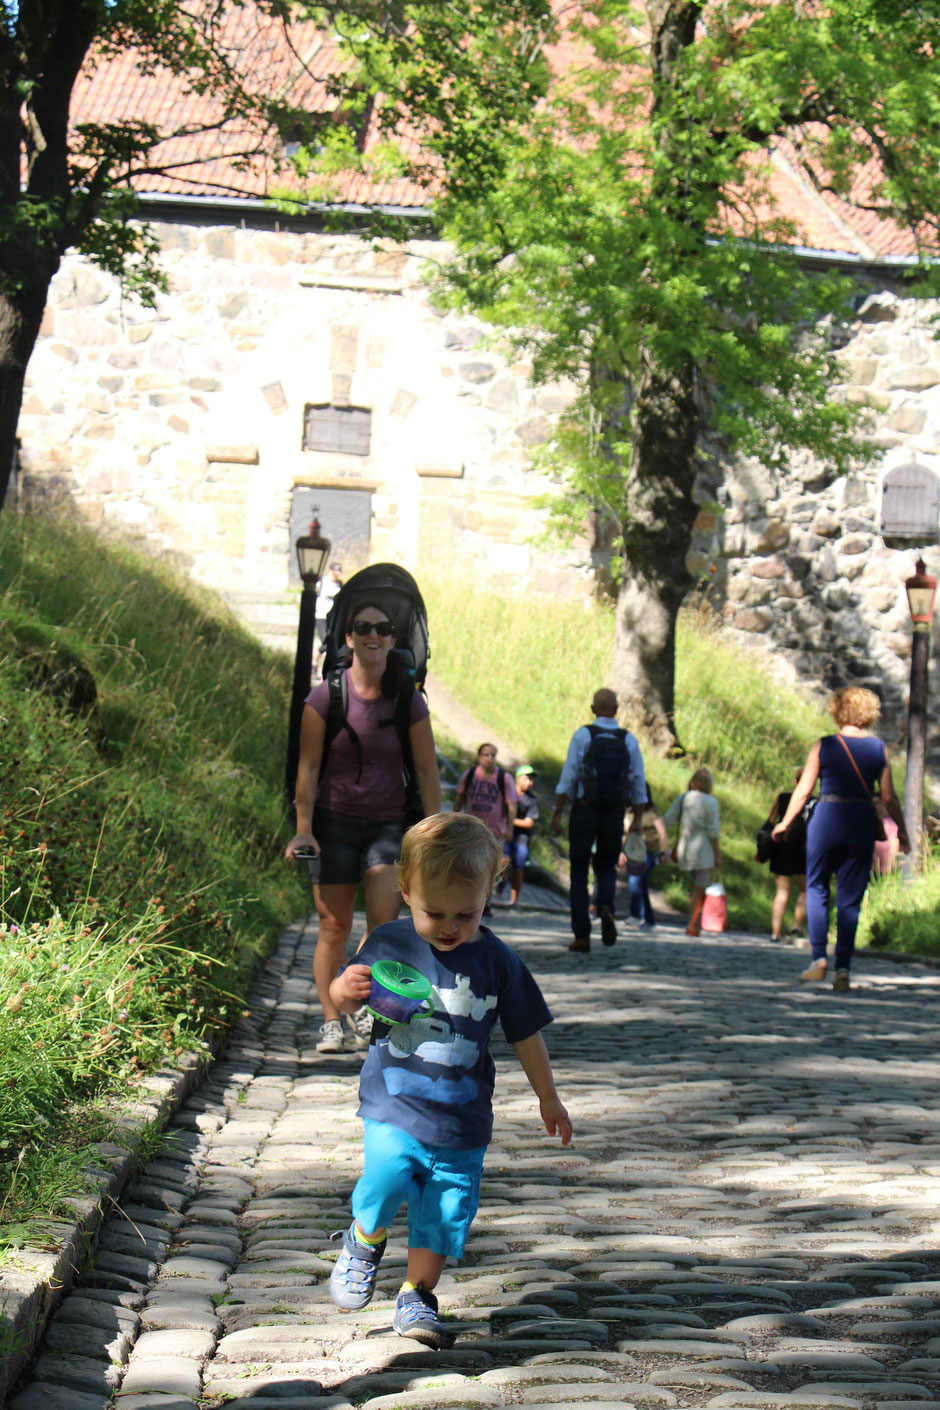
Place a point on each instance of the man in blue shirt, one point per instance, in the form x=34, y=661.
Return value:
x=603, y=775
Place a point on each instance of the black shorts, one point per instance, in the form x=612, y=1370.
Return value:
x=349, y=846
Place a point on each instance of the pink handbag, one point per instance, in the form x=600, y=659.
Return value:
x=714, y=909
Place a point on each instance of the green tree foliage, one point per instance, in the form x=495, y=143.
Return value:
x=626, y=236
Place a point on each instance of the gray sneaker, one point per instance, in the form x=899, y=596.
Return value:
x=361, y=1024
x=416, y=1316
x=352, y=1281
x=331, y=1038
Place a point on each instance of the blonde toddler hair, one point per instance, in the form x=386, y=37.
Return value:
x=854, y=705
x=450, y=847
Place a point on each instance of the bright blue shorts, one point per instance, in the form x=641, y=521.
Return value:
x=440, y=1185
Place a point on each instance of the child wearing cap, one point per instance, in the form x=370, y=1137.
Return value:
x=426, y=1088
x=527, y=815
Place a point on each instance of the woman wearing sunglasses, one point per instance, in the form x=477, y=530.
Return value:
x=350, y=801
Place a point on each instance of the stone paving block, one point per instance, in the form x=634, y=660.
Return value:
x=637, y=1392
x=374, y=1353
x=766, y=1400
x=703, y=1350
x=41, y=1395
x=284, y=1382
x=172, y=1375
x=883, y=1389
x=693, y=1379
x=195, y=1345
x=291, y=1402
x=608, y=1405
x=388, y=1381
x=107, y=1317
x=437, y=1397
x=82, y=1340
x=179, y=1315
x=156, y=1400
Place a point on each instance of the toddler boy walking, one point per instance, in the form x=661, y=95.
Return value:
x=426, y=1089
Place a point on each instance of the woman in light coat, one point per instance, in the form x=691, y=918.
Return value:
x=698, y=852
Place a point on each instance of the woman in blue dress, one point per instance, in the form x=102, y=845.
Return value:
x=840, y=838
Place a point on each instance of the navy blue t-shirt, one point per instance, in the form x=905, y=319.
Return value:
x=434, y=1077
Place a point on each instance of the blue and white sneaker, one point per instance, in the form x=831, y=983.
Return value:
x=416, y=1317
x=352, y=1281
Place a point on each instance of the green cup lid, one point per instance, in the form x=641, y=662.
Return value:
x=402, y=979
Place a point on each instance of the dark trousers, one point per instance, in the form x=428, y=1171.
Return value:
x=589, y=828
x=840, y=842
x=641, y=907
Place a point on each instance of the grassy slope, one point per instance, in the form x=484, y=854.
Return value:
x=140, y=809
x=529, y=668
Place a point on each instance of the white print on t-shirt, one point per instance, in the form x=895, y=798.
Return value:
x=432, y=1039
x=462, y=1002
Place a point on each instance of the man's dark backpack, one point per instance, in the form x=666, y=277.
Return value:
x=395, y=590
x=605, y=769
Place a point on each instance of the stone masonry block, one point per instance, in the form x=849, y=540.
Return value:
x=344, y=349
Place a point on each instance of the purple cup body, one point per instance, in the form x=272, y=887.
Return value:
x=393, y=1008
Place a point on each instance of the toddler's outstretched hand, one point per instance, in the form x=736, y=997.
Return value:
x=557, y=1121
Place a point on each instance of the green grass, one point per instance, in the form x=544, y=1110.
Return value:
x=903, y=918
x=529, y=666
x=141, y=878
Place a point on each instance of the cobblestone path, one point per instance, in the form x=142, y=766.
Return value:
x=747, y=1216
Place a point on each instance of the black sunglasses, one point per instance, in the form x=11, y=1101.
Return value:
x=364, y=628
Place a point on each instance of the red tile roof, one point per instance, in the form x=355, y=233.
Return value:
x=204, y=154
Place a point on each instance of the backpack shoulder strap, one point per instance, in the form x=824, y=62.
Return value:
x=338, y=706
x=336, y=717
x=403, y=702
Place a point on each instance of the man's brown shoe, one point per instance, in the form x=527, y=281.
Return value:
x=582, y=945
x=608, y=926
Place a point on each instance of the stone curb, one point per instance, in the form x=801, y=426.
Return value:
x=31, y=1291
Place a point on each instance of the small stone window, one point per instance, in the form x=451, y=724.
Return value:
x=347, y=429
x=910, y=503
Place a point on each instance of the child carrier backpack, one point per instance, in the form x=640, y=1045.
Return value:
x=396, y=592
x=605, y=770
x=392, y=588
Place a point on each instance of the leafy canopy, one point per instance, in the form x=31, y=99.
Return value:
x=624, y=213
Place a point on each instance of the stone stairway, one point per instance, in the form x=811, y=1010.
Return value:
x=271, y=616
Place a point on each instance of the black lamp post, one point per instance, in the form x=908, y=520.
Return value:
x=920, y=589
x=312, y=553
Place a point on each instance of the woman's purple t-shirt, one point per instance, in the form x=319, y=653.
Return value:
x=379, y=792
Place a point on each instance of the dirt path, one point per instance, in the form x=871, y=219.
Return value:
x=468, y=731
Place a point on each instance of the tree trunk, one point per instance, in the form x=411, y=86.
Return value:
x=20, y=317
x=656, y=541
x=662, y=511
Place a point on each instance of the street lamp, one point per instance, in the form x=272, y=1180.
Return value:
x=312, y=553
x=920, y=589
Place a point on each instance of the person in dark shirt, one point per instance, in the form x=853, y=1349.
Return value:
x=527, y=815
x=426, y=1088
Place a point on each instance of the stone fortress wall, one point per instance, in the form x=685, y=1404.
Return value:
x=798, y=559
x=185, y=425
